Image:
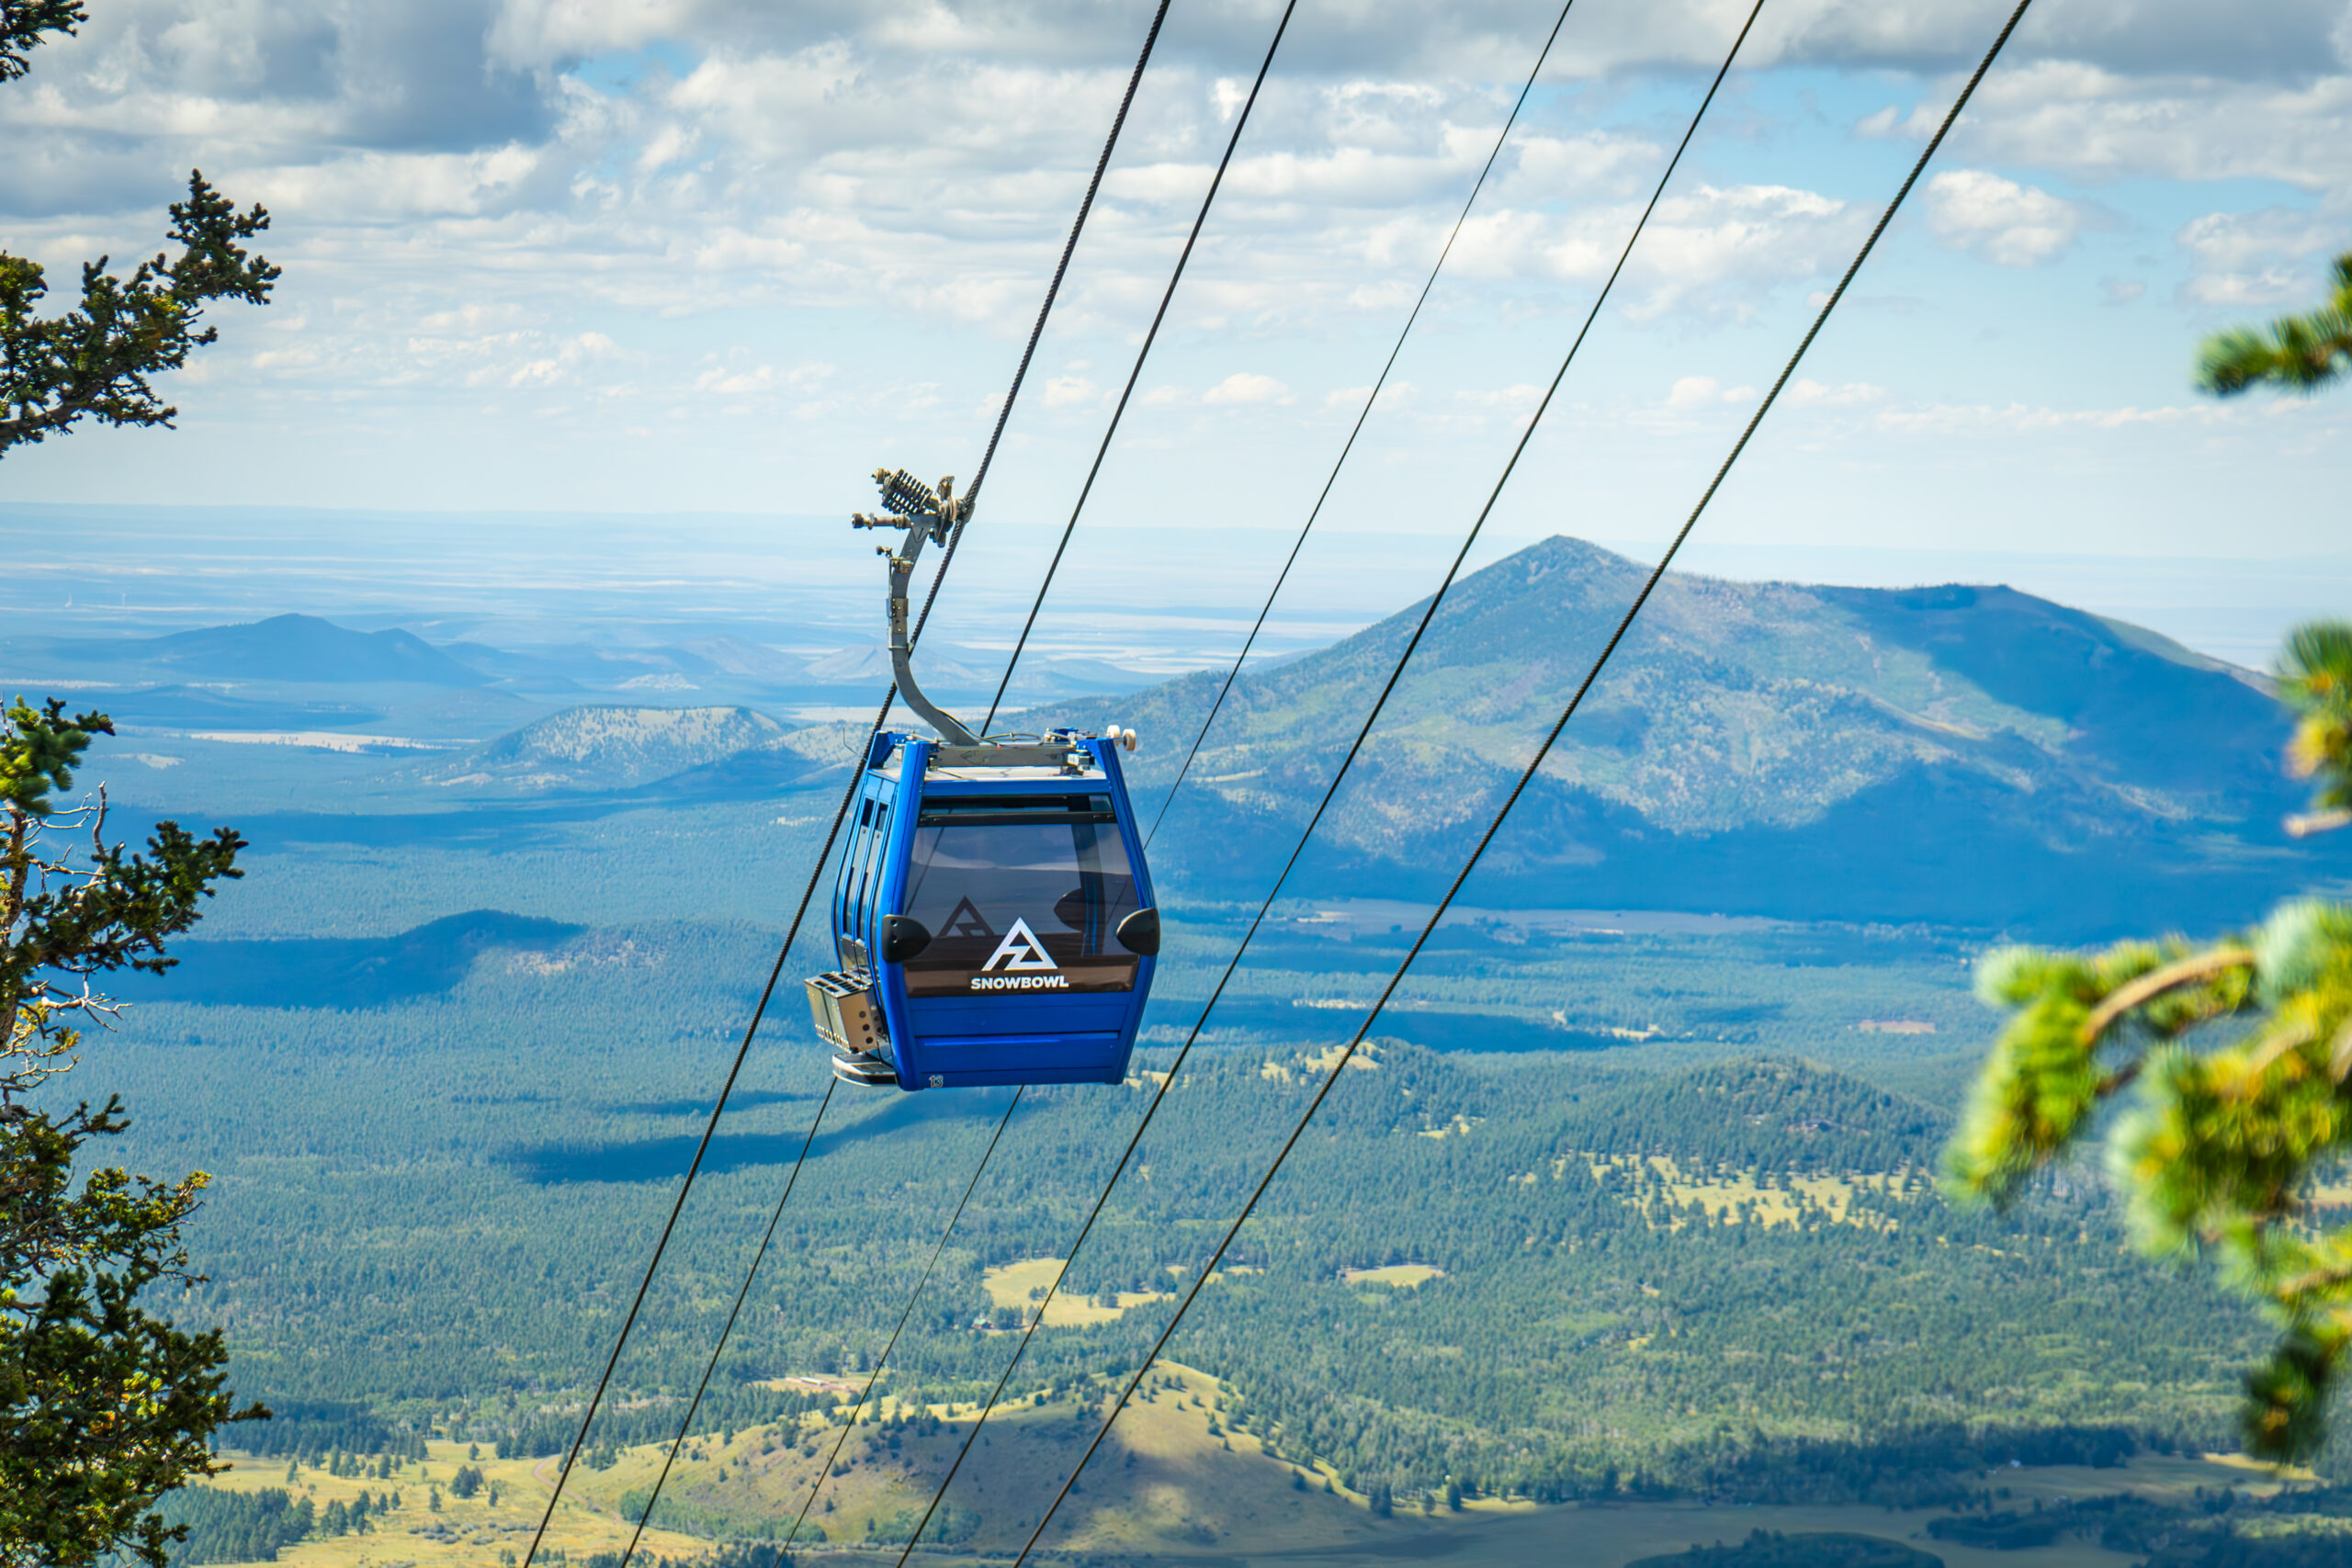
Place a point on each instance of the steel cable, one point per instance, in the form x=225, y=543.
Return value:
x=1526, y=775
x=694, y=1406
x=857, y=1412
x=1381, y=381
x=1357, y=429
x=663, y=1480
x=1183, y=1053
x=1241, y=121
x=1119, y=411
x=841, y=812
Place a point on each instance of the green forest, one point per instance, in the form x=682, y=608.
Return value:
x=1618, y=1206
x=434, y=1209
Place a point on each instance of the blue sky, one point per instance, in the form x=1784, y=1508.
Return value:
x=712, y=257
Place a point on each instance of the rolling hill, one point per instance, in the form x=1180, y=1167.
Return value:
x=597, y=748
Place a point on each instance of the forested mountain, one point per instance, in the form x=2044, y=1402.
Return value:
x=1960, y=755
x=1532, y=1276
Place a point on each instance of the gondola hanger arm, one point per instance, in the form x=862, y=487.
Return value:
x=922, y=513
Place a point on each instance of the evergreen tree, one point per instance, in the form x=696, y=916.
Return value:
x=97, y=359
x=2304, y=352
x=2219, y=1150
x=103, y=1407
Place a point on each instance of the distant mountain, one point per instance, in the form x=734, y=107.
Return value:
x=282, y=649
x=1958, y=755
x=194, y=706
x=722, y=662
x=601, y=749
x=1053, y=679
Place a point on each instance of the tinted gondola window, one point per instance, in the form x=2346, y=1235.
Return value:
x=1020, y=897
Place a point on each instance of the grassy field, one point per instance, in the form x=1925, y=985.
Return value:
x=1172, y=1476
x=492, y=1528
x=1173, y=1481
x=1403, y=1275
x=1024, y=1283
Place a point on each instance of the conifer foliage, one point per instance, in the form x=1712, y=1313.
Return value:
x=104, y=1406
x=2220, y=1147
x=2237, y=1053
x=97, y=360
x=22, y=23
x=2302, y=351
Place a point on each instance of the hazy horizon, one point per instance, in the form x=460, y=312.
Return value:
x=1156, y=600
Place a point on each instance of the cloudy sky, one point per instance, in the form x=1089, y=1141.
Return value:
x=718, y=255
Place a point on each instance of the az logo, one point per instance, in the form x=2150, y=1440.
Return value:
x=1020, y=951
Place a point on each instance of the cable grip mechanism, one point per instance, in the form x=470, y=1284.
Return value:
x=922, y=514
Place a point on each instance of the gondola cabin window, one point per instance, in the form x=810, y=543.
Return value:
x=1022, y=894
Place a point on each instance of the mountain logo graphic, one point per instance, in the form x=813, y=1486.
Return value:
x=1019, y=951
x=967, y=921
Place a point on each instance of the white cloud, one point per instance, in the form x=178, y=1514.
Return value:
x=1880, y=125
x=667, y=145
x=464, y=188
x=2097, y=123
x=1245, y=387
x=2255, y=258
x=1999, y=220
x=1550, y=167
x=1978, y=419
x=1704, y=391
x=1520, y=398
x=1806, y=391
x=1707, y=248
x=1342, y=38
x=1395, y=395
x=720, y=381
x=547, y=364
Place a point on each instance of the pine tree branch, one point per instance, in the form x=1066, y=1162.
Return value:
x=2148, y=988
x=97, y=361
x=22, y=23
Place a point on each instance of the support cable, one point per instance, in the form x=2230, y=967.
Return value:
x=1526, y=775
x=1159, y=1094
x=858, y=1413
x=1502, y=138
x=1149, y=338
x=876, y=1376
x=694, y=1406
x=841, y=812
x=1037, y=331
x=1378, y=385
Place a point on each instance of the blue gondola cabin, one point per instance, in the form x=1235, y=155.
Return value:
x=992, y=916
